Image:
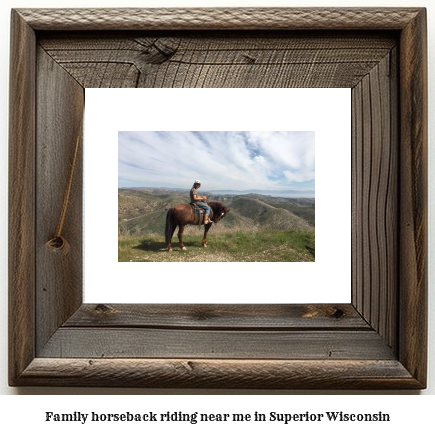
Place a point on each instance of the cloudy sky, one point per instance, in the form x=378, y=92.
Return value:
x=221, y=160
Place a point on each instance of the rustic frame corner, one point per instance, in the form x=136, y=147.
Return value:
x=376, y=342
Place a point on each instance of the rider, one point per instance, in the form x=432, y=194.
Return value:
x=194, y=198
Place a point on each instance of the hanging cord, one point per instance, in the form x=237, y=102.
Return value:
x=58, y=244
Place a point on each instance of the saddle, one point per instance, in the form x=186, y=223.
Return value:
x=200, y=212
x=197, y=209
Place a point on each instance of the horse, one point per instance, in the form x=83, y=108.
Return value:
x=182, y=215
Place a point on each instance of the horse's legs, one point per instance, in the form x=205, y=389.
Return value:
x=180, y=236
x=169, y=246
x=206, y=229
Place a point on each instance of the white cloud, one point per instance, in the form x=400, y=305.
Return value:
x=222, y=159
x=299, y=177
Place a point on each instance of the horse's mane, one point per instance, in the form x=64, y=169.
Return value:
x=216, y=205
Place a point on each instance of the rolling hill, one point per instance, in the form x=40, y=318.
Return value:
x=143, y=212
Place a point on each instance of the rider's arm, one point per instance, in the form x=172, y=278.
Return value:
x=196, y=197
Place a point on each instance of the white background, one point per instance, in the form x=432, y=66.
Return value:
x=412, y=413
x=325, y=111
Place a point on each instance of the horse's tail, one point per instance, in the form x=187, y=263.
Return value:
x=169, y=229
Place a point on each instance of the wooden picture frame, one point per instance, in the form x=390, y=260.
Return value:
x=377, y=341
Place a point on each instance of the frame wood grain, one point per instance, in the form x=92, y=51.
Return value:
x=377, y=341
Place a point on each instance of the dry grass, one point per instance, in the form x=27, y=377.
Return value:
x=232, y=247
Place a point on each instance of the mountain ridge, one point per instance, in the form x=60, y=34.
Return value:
x=144, y=211
x=300, y=193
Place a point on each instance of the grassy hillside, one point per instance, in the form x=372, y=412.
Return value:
x=302, y=207
x=267, y=216
x=293, y=246
x=134, y=203
x=257, y=228
x=153, y=222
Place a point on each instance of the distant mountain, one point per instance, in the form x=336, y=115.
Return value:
x=156, y=189
x=265, y=192
x=275, y=193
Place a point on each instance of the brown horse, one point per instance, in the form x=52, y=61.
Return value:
x=182, y=215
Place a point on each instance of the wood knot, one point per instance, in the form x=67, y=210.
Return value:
x=338, y=313
x=159, y=51
x=58, y=244
x=204, y=315
x=249, y=59
x=103, y=309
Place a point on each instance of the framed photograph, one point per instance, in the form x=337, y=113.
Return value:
x=375, y=341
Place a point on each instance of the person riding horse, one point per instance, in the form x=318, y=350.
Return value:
x=183, y=214
x=198, y=200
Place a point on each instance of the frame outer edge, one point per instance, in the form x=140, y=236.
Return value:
x=413, y=198
x=413, y=218
x=21, y=197
x=218, y=18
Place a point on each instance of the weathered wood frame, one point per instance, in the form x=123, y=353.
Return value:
x=377, y=341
